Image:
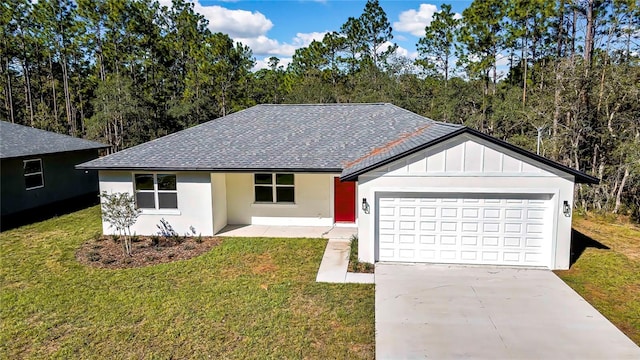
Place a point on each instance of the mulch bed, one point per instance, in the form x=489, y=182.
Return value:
x=105, y=252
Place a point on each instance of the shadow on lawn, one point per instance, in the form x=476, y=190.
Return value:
x=48, y=211
x=580, y=242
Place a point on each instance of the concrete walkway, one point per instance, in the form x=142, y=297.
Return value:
x=335, y=261
x=452, y=312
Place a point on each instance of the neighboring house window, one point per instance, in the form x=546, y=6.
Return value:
x=156, y=191
x=33, y=177
x=274, y=188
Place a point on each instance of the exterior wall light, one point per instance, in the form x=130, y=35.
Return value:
x=566, y=209
x=365, y=205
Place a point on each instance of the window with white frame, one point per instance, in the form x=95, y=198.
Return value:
x=33, y=175
x=156, y=191
x=274, y=188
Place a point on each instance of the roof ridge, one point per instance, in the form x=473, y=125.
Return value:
x=51, y=133
x=327, y=104
x=430, y=119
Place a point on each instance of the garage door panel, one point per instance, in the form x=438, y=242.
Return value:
x=470, y=227
x=387, y=225
x=448, y=240
x=513, y=214
x=407, y=239
x=470, y=213
x=427, y=239
x=469, y=255
x=483, y=229
x=428, y=225
x=448, y=226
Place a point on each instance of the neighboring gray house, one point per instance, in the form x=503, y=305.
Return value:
x=38, y=172
x=417, y=190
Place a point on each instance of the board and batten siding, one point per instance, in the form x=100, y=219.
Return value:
x=313, y=202
x=467, y=164
x=62, y=180
x=195, y=206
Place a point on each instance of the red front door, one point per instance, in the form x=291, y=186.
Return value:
x=344, y=200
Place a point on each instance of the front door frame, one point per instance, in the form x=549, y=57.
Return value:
x=343, y=201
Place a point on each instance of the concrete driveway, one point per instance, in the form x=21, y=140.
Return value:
x=443, y=312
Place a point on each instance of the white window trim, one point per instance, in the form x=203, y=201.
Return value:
x=41, y=173
x=157, y=210
x=274, y=187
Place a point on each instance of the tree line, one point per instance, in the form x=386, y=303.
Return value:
x=559, y=77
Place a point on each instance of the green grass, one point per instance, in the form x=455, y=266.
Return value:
x=609, y=279
x=247, y=298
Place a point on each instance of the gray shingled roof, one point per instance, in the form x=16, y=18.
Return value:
x=18, y=141
x=323, y=137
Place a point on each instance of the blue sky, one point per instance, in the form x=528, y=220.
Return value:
x=278, y=27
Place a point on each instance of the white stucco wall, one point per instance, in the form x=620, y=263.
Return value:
x=219, y=196
x=194, y=203
x=313, y=202
x=468, y=164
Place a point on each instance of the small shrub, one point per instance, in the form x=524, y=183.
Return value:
x=93, y=256
x=151, y=258
x=135, y=238
x=108, y=261
x=127, y=260
x=155, y=240
x=166, y=230
x=199, y=239
x=115, y=238
x=189, y=247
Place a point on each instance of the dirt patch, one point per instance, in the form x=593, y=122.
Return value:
x=264, y=264
x=105, y=252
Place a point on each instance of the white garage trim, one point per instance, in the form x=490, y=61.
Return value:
x=450, y=238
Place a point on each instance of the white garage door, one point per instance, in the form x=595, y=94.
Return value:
x=497, y=229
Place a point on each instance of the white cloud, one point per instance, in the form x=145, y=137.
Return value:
x=235, y=23
x=251, y=28
x=413, y=21
x=263, y=45
x=264, y=63
x=502, y=60
x=304, y=39
x=400, y=51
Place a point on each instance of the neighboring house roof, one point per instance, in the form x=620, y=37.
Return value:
x=347, y=138
x=20, y=141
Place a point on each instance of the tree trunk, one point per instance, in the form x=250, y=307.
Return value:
x=560, y=28
x=67, y=96
x=619, y=193
x=573, y=34
x=9, y=98
x=53, y=90
x=524, y=70
x=589, y=35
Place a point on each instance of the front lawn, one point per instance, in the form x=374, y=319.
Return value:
x=609, y=279
x=246, y=298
